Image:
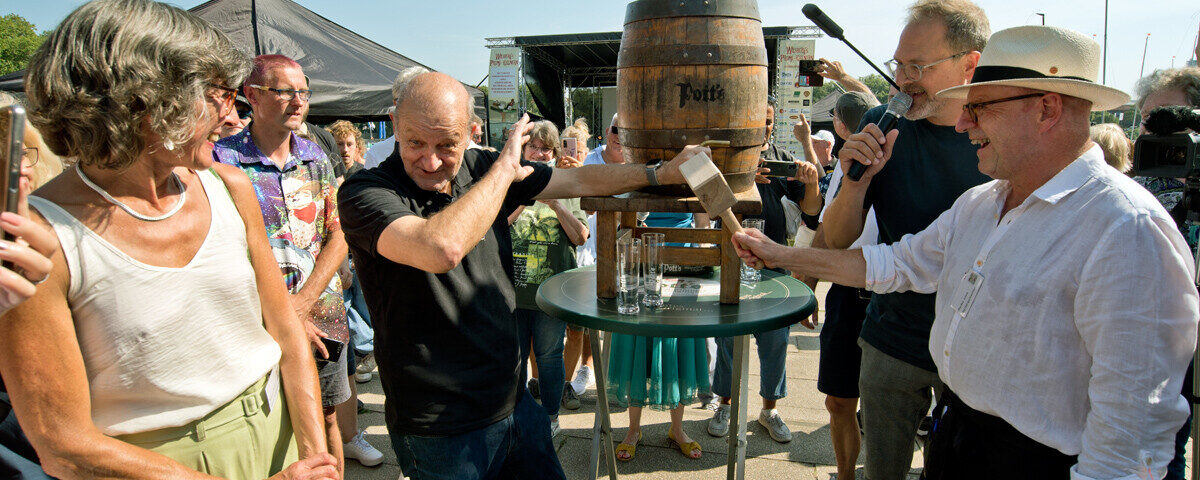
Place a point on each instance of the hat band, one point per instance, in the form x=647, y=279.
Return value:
x=991, y=73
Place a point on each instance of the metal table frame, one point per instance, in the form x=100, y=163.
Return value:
x=602, y=427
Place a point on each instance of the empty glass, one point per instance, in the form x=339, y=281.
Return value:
x=751, y=275
x=629, y=267
x=652, y=274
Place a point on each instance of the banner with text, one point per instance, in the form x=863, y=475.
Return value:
x=504, y=73
x=792, y=94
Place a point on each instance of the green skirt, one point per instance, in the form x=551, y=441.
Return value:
x=659, y=373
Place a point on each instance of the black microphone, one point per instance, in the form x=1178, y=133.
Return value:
x=896, y=108
x=1173, y=119
x=818, y=17
x=832, y=29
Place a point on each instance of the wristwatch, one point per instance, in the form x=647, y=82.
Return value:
x=652, y=174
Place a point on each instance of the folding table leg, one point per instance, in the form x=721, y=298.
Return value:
x=736, y=469
x=603, y=424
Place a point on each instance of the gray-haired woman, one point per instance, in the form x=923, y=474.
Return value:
x=157, y=346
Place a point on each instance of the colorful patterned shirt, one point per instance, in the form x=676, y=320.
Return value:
x=299, y=208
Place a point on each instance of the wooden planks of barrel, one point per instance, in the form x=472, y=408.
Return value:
x=690, y=71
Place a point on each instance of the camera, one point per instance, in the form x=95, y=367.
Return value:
x=1169, y=150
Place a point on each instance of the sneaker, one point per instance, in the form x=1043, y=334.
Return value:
x=718, y=425
x=362, y=372
x=362, y=408
x=771, y=420
x=358, y=449
x=554, y=429
x=583, y=379
x=923, y=431
x=534, y=388
x=570, y=400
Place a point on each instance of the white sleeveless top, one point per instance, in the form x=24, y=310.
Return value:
x=165, y=346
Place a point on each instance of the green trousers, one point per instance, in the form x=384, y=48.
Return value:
x=240, y=440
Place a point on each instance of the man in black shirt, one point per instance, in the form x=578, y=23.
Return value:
x=429, y=235
x=928, y=166
x=772, y=345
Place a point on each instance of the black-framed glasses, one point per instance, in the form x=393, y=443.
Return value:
x=286, y=94
x=972, y=109
x=30, y=154
x=914, y=71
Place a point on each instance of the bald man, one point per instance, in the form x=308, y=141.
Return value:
x=429, y=237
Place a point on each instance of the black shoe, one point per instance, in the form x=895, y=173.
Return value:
x=535, y=388
x=858, y=416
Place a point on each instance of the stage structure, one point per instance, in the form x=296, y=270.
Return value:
x=551, y=67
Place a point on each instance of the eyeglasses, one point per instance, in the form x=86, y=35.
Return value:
x=914, y=71
x=972, y=109
x=30, y=154
x=286, y=94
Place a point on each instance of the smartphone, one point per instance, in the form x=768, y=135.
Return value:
x=570, y=148
x=12, y=132
x=807, y=75
x=334, y=348
x=780, y=168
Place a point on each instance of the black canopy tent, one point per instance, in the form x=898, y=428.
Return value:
x=554, y=64
x=351, y=76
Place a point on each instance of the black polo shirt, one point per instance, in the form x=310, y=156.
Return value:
x=446, y=343
x=931, y=166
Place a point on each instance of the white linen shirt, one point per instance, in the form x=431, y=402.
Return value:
x=1085, y=320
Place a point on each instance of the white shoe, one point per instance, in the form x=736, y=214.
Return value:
x=774, y=424
x=718, y=425
x=554, y=429
x=358, y=449
x=583, y=379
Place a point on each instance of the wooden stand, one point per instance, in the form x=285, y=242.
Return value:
x=617, y=218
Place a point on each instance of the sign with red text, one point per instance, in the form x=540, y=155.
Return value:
x=792, y=95
x=504, y=75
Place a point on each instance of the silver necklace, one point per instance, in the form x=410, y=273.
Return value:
x=179, y=183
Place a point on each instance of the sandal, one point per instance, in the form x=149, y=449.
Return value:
x=630, y=450
x=691, y=449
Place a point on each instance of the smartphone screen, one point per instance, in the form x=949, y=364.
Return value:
x=807, y=76
x=12, y=132
x=569, y=147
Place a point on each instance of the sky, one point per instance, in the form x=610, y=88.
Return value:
x=450, y=36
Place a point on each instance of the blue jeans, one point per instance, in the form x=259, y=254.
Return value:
x=517, y=447
x=362, y=335
x=548, y=334
x=772, y=358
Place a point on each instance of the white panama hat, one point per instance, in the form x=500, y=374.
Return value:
x=1043, y=58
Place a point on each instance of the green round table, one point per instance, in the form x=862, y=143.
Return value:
x=690, y=309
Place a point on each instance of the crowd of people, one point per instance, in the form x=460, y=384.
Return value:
x=198, y=277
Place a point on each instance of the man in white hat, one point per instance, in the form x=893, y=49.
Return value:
x=1065, y=310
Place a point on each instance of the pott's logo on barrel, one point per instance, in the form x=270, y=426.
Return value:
x=707, y=93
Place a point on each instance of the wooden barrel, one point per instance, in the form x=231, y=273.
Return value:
x=690, y=71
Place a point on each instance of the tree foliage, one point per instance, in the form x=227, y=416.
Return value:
x=876, y=83
x=18, y=41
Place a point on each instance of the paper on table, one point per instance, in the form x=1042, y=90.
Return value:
x=688, y=289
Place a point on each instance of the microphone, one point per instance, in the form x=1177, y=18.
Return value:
x=1173, y=119
x=832, y=29
x=818, y=17
x=896, y=108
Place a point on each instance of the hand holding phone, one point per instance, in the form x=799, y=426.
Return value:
x=780, y=168
x=570, y=147
x=12, y=133
x=809, y=74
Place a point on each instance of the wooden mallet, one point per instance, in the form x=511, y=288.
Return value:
x=711, y=189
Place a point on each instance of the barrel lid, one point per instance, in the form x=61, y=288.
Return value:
x=646, y=9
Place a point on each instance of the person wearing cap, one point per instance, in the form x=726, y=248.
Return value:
x=845, y=309
x=1066, y=315
x=932, y=165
